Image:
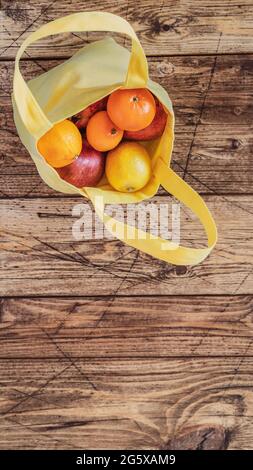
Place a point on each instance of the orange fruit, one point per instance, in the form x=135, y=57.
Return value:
x=128, y=167
x=133, y=109
x=101, y=132
x=61, y=144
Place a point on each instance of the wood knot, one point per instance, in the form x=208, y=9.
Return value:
x=167, y=27
x=181, y=270
x=200, y=438
x=165, y=68
x=156, y=26
x=237, y=110
x=235, y=144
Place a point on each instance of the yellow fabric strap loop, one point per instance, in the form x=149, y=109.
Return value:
x=156, y=246
x=137, y=76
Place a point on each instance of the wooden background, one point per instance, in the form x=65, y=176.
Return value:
x=102, y=346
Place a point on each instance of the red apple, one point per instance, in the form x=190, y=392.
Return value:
x=154, y=130
x=86, y=170
x=81, y=119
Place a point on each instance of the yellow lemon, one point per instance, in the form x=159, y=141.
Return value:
x=128, y=167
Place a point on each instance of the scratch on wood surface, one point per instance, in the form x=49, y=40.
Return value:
x=112, y=299
x=221, y=197
x=202, y=107
x=168, y=398
x=68, y=357
x=83, y=261
x=25, y=52
x=58, y=254
x=241, y=360
x=28, y=27
x=36, y=397
x=33, y=394
x=218, y=317
x=62, y=323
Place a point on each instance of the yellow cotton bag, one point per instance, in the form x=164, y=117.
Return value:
x=92, y=73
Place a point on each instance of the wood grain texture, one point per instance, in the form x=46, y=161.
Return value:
x=166, y=27
x=102, y=346
x=126, y=327
x=213, y=124
x=127, y=404
x=41, y=257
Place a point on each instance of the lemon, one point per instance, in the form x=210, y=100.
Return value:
x=128, y=167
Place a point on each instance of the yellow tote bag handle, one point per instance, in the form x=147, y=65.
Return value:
x=30, y=112
x=156, y=246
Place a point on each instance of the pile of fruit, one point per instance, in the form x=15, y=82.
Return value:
x=105, y=137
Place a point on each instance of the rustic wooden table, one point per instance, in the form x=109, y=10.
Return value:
x=104, y=347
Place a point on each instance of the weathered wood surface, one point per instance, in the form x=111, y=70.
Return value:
x=145, y=403
x=122, y=327
x=212, y=102
x=103, y=347
x=41, y=257
x=166, y=27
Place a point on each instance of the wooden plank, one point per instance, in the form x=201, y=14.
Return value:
x=126, y=327
x=127, y=404
x=163, y=28
x=40, y=255
x=213, y=124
